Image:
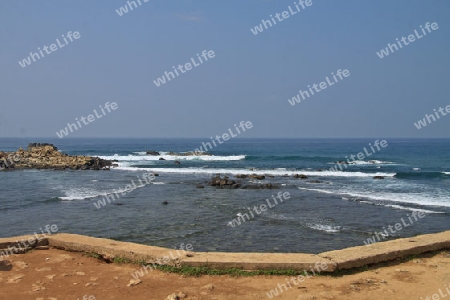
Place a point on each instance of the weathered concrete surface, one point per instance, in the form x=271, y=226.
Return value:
x=356, y=257
x=333, y=260
x=110, y=249
x=260, y=261
x=20, y=244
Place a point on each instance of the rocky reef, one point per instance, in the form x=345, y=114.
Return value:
x=226, y=183
x=47, y=156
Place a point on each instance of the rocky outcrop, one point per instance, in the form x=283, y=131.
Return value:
x=154, y=153
x=224, y=183
x=47, y=156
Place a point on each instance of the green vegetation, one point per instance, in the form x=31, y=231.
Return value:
x=122, y=260
x=235, y=272
x=199, y=271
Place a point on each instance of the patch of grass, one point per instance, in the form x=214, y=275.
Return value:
x=235, y=272
x=93, y=255
x=122, y=260
x=200, y=271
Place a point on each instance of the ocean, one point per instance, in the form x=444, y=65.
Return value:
x=331, y=209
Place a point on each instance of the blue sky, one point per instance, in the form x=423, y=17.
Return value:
x=250, y=78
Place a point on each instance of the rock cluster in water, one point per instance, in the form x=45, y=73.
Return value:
x=47, y=156
x=226, y=183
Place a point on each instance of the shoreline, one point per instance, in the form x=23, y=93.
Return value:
x=336, y=260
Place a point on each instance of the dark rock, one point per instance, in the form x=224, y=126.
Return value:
x=47, y=156
x=259, y=177
x=301, y=176
x=154, y=153
x=241, y=176
x=378, y=177
x=161, y=158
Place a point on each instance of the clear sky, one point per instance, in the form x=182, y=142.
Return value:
x=251, y=77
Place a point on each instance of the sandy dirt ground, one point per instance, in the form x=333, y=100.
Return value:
x=56, y=274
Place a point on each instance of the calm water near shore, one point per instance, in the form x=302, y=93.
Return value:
x=329, y=210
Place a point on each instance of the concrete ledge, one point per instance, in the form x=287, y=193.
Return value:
x=110, y=249
x=260, y=261
x=356, y=257
x=31, y=241
x=349, y=258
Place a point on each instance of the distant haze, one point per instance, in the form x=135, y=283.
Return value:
x=117, y=57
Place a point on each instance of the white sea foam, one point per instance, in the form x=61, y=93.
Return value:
x=143, y=158
x=369, y=162
x=85, y=193
x=417, y=198
x=249, y=172
x=415, y=209
x=446, y=173
x=326, y=228
x=81, y=194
